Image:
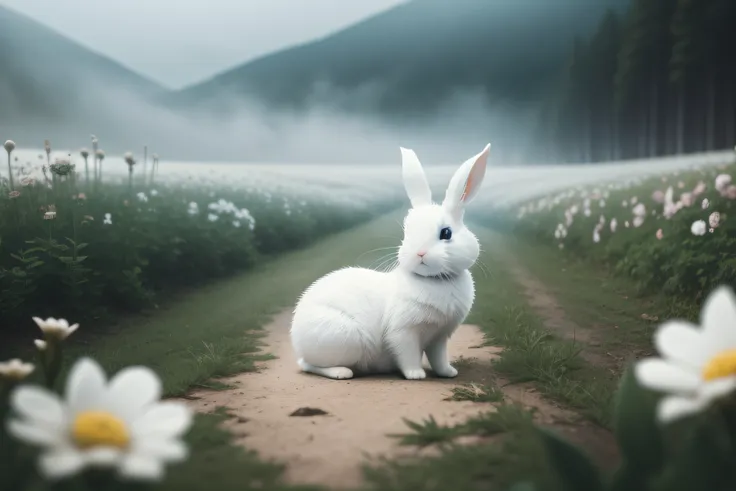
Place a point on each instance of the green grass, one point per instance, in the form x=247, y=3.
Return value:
x=597, y=298
x=533, y=353
x=507, y=453
x=476, y=392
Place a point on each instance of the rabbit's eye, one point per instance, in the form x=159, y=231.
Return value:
x=445, y=233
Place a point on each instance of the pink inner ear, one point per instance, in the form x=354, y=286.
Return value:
x=468, y=185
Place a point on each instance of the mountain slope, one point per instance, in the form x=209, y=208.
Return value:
x=414, y=56
x=47, y=78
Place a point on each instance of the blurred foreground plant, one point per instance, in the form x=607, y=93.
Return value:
x=684, y=441
x=98, y=434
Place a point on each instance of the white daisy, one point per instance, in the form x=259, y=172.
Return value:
x=55, y=328
x=696, y=366
x=119, y=424
x=15, y=369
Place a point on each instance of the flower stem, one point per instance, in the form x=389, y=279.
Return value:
x=10, y=173
x=52, y=357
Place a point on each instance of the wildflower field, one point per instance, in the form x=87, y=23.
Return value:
x=87, y=237
x=672, y=232
x=599, y=354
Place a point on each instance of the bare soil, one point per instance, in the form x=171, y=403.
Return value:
x=323, y=430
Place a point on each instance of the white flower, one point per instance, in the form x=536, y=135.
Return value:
x=705, y=203
x=696, y=366
x=108, y=219
x=142, y=197
x=40, y=344
x=714, y=219
x=212, y=217
x=236, y=224
x=698, y=227
x=640, y=210
x=15, y=369
x=596, y=235
x=119, y=424
x=722, y=182
x=55, y=328
x=154, y=192
x=687, y=199
x=638, y=221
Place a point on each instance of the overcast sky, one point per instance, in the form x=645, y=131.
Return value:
x=178, y=42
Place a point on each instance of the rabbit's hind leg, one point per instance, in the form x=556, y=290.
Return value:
x=337, y=373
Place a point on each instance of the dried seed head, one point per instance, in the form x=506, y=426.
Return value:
x=100, y=154
x=9, y=146
x=84, y=153
x=129, y=159
x=47, y=146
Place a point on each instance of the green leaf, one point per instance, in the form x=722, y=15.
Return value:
x=704, y=463
x=635, y=426
x=575, y=470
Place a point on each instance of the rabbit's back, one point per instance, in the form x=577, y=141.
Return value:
x=338, y=321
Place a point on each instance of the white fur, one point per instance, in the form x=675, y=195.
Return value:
x=366, y=321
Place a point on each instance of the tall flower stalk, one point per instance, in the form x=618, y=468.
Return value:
x=145, y=163
x=131, y=162
x=85, y=155
x=9, y=147
x=95, y=156
x=100, y=154
x=154, y=165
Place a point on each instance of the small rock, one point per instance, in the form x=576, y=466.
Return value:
x=308, y=411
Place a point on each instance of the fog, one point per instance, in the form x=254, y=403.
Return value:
x=253, y=132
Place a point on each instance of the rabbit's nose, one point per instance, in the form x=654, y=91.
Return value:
x=421, y=253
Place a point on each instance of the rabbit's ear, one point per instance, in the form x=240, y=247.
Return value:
x=466, y=182
x=415, y=181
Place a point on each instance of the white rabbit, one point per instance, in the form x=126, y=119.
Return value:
x=357, y=319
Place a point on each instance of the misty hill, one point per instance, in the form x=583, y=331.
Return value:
x=412, y=57
x=45, y=78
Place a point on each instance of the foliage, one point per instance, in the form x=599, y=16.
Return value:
x=692, y=455
x=87, y=250
x=680, y=263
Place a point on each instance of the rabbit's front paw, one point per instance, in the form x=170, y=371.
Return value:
x=415, y=374
x=448, y=372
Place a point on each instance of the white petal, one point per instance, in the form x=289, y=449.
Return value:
x=85, y=386
x=70, y=330
x=718, y=317
x=166, y=419
x=35, y=434
x=715, y=389
x=681, y=342
x=674, y=407
x=38, y=405
x=102, y=456
x=168, y=450
x=61, y=463
x=661, y=375
x=136, y=466
x=132, y=390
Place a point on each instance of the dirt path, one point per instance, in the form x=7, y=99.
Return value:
x=545, y=305
x=329, y=449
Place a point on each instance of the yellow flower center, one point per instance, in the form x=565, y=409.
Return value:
x=99, y=428
x=721, y=365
